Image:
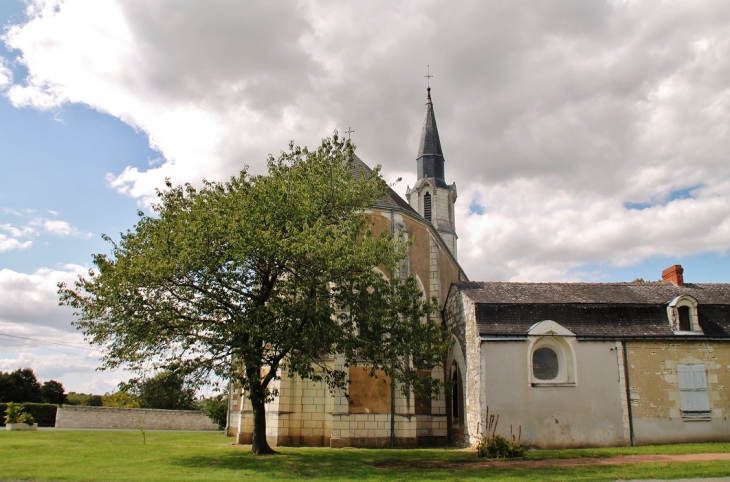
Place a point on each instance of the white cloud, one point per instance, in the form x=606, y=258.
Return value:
x=36, y=332
x=58, y=228
x=8, y=244
x=552, y=115
x=74, y=368
x=17, y=236
x=14, y=238
x=31, y=299
x=6, y=76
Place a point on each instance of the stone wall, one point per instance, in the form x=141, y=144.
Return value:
x=655, y=395
x=587, y=413
x=72, y=416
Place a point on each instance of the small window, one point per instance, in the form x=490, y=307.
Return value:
x=427, y=206
x=545, y=365
x=551, y=362
x=455, y=395
x=683, y=316
x=684, y=323
x=694, y=399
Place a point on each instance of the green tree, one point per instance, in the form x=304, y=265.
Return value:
x=120, y=399
x=216, y=408
x=53, y=392
x=84, y=399
x=20, y=386
x=259, y=275
x=166, y=390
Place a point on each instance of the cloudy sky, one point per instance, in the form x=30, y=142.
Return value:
x=588, y=140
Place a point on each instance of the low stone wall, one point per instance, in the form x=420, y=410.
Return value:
x=73, y=416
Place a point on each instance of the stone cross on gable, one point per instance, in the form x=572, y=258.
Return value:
x=348, y=132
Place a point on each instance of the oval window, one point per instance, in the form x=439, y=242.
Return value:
x=545, y=364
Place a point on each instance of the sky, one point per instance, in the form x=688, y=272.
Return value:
x=588, y=140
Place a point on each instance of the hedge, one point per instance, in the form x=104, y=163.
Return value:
x=43, y=413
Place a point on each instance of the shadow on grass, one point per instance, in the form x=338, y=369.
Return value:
x=281, y=465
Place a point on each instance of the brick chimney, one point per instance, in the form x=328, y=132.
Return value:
x=673, y=275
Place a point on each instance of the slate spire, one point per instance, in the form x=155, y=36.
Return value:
x=430, y=159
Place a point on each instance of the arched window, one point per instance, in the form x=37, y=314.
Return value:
x=552, y=362
x=455, y=394
x=545, y=364
x=427, y=206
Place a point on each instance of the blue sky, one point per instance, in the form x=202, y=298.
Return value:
x=590, y=147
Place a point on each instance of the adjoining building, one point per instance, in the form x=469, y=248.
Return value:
x=592, y=364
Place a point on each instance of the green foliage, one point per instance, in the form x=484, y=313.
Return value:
x=15, y=413
x=43, y=413
x=84, y=399
x=120, y=399
x=53, y=392
x=20, y=385
x=269, y=271
x=498, y=447
x=494, y=446
x=216, y=408
x=165, y=390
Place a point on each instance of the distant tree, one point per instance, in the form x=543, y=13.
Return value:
x=260, y=275
x=84, y=399
x=216, y=408
x=639, y=280
x=53, y=392
x=20, y=386
x=120, y=399
x=166, y=390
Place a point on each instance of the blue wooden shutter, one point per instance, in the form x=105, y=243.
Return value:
x=693, y=390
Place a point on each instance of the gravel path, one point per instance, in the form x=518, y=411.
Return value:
x=578, y=462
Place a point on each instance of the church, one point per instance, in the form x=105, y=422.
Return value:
x=562, y=364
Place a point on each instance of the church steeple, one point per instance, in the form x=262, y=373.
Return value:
x=430, y=158
x=431, y=197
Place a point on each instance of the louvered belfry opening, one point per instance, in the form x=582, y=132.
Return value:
x=427, y=206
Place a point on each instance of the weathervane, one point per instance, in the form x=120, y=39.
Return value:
x=428, y=76
x=348, y=132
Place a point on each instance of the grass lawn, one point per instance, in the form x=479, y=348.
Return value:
x=101, y=456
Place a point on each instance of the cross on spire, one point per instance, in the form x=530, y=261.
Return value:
x=428, y=77
x=348, y=132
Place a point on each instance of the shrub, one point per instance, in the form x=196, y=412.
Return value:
x=14, y=413
x=498, y=447
x=494, y=446
x=216, y=408
x=43, y=413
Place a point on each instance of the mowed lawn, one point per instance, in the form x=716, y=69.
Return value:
x=166, y=456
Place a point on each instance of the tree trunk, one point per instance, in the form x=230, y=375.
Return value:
x=259, y=445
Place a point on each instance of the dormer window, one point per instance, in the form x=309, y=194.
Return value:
x=682, y=314
x=684, y=323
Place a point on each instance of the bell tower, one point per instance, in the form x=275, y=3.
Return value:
x=431, y=197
